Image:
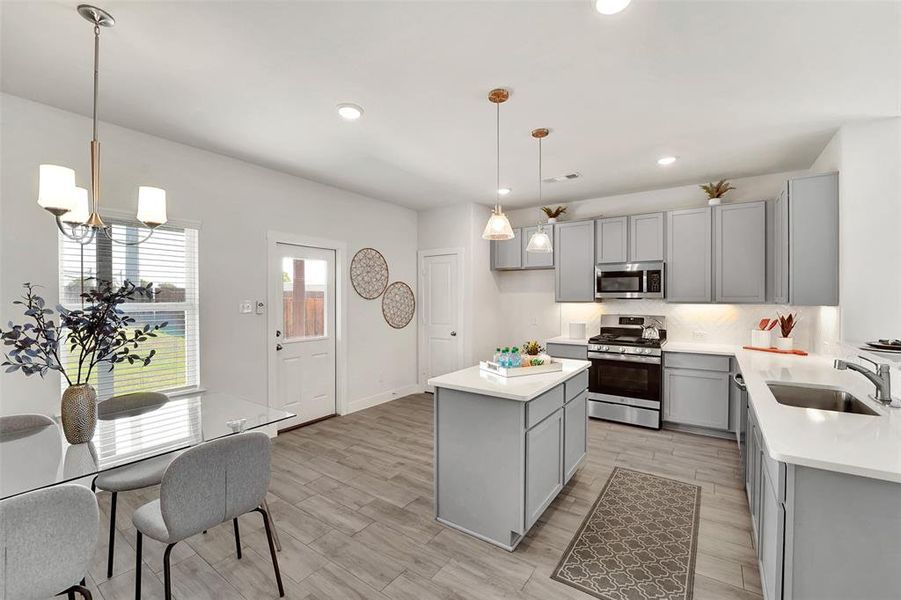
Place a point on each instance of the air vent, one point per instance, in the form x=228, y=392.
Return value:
x=559, y=178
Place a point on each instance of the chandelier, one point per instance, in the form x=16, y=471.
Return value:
x=76, y=218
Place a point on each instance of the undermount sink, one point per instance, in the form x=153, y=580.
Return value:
x=819, y=398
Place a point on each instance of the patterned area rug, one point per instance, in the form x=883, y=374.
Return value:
x=639, y=540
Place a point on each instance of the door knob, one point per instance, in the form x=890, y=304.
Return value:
x=279, y=347
x=453, y=334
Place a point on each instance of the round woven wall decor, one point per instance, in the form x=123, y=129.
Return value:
x=398, y=305
x=369, y=273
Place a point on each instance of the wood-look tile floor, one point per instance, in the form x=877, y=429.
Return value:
x=352, y=500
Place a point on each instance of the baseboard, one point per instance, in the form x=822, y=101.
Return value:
x=383, y=397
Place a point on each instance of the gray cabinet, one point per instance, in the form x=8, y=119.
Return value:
x=507, y=254
x=574, y=261
x=575, y=438
x=740, y=253
x=812, y=255
x=536, y=260
x=646, y=237
x=771, y=534
x=612, y=240
x=568, y=351
x=544, y=465
x=780, y=248
x=689, y=255
x=696, y=398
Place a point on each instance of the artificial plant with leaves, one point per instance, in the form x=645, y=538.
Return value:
x=718, y=189
x=98, y=334
x=553, y=213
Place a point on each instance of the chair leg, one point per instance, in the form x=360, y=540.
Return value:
x=138, y=565
x=112, y=535
x=237, y=539
x=167, y=572
x=278, y=543
x=82, y=591
x=278, y=574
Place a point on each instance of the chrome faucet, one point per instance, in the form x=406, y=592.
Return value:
x=881, y=377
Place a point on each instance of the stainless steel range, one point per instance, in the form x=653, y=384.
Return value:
x=626, y=376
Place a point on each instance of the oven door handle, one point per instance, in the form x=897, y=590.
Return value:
x=648, y=360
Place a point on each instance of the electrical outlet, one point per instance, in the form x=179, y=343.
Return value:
x=261, y=307
x=245, y=307
x=698, y=335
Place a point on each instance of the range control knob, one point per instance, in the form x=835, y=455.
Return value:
x=605, y=348
x=622, y=350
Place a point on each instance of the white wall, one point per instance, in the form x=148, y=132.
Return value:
x=237, y=203
x=460, y=226
x=868, y=158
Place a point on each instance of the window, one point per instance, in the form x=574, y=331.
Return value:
x=304, y=285
x=169, y=261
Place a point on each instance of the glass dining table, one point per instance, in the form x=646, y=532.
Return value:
x=36, y=458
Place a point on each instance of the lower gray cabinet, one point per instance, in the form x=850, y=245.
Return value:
x=771, y=535
x=575, y=437
x=579, y=352
x=697, y=398
x=544, y=465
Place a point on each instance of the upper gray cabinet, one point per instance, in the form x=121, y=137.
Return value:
x=537, y=260
x=780, y=248
x=574, y=261
x=646, y=237
x=507, y=254
x=740, y=252
x=688, y=255
x=809, y=255
x=612, y=240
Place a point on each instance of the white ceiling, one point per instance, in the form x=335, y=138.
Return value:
x=732, y=88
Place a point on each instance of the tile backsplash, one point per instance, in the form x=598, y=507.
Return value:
x=817, y=327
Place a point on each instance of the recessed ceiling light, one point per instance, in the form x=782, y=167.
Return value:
x=503, y=191
x=350, y=112
x=611, y=7
x=666, y=160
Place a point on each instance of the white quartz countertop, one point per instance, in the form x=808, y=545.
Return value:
x=568, y=340
x=522, y=389
x=865, y=445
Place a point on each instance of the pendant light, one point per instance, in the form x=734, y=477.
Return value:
x=498, y=227
x=57, y=194
x=540, y=242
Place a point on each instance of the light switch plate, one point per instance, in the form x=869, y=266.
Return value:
x=261, y=307
x=245, y=307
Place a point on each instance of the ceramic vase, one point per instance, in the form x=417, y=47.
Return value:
x=761, y=338
x=785, y=343
x=79, y=413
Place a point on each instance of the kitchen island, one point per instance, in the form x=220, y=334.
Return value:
x=504, y=448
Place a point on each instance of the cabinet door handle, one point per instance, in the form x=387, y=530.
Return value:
x=453, y=334
x=279, y=347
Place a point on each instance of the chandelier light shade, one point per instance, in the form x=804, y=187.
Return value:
x=77, y=217
x=56, y=189
x=81, y=210
x=540, y=242
x=151, y=206
x=498, y=226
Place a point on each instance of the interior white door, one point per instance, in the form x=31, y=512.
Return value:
x=441, y=314
x=305, y=334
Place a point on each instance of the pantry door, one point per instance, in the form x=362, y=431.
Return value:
x=304, y=340
x=441, y=313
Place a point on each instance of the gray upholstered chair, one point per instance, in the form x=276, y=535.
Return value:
x=136, y=476
x=205, y=486
x=47, y=539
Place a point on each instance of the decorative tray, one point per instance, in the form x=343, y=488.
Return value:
x=550, y=366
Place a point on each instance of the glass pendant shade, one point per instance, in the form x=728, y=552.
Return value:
x=56, y=189
x=151, y=206
x=498, y=227
x=80, y=212
x=540, y=242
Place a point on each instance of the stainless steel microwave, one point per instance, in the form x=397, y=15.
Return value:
x=629, y=280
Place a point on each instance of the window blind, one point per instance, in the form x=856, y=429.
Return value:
x=169, y=261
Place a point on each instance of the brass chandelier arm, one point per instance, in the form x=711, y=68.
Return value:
x=84, y=234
